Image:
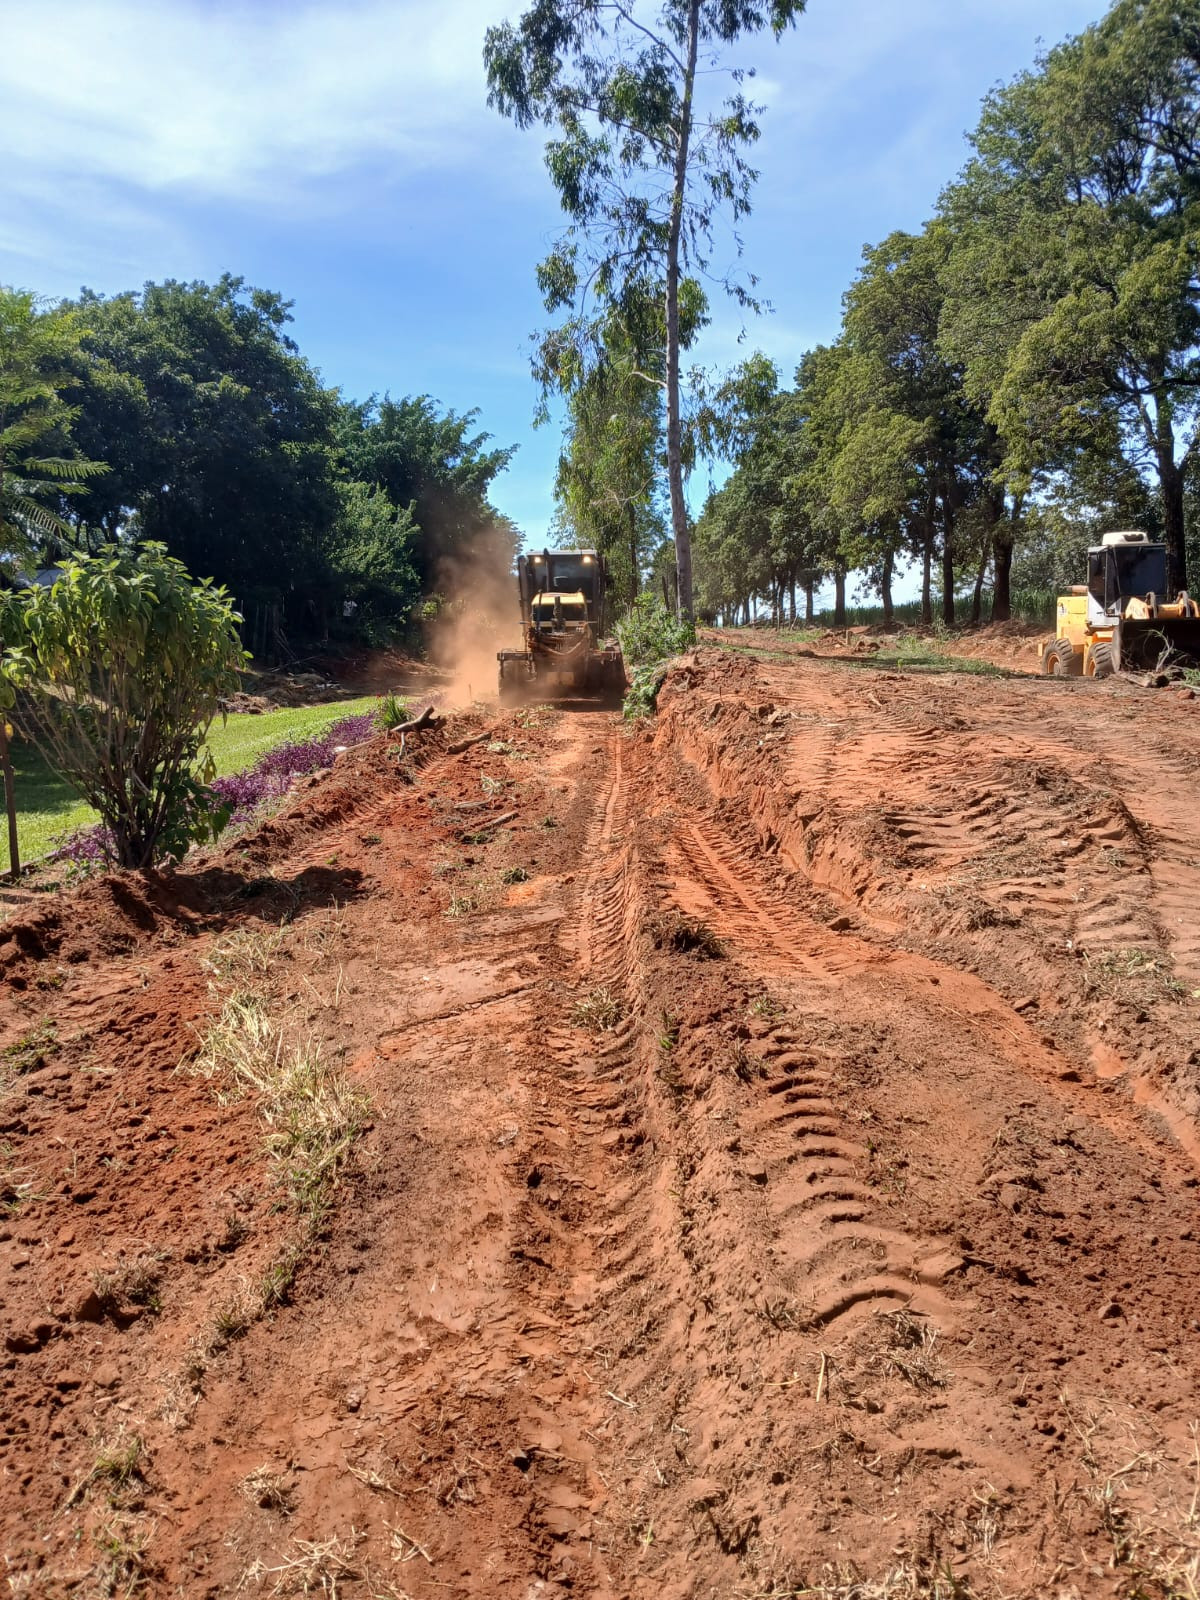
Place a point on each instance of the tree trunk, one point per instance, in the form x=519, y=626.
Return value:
x=1171, y=480
x=679, y=516
x=634, y=574
x=927, y=579
x=839, y=594
x=1003, y=540
x=10, y=802
x=809, y=587
x=947, y=562
x=977, y=592
x=885, y=586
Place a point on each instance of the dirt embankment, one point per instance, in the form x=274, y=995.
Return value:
x=778, y=1172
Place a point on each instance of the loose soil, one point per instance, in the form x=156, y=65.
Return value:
x=780, y=1174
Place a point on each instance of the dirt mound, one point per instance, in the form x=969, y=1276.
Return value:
x=767, y=1165
x=105, y=917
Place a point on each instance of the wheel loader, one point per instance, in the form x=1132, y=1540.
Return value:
x=563, y=598
x=1116, y=622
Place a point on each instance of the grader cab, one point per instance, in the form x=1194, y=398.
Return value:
x=563, y=623
x=1117, y=620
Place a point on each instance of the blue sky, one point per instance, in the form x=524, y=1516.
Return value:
x=344, y=155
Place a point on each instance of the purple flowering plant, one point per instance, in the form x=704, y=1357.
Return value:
x=242, y=793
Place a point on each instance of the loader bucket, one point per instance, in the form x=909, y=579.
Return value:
x=1151, y=644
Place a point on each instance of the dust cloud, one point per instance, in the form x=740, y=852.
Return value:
x=481, y=615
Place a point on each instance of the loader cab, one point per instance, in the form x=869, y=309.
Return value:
x=1123, y=566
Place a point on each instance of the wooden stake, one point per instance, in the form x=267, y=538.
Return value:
x=10, y=802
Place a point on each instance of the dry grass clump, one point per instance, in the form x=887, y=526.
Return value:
x=912, y=1352
x=117, y=1467
x=30, y=1052
x=687, y=935
x=135, y=1280
x=270, y=1490
x=123, y=1568
x=311, y=1113
x=309, y=1567
x=599, y=1011
x=1134, y=975
x=902, y=1582
x=245, y=954
x=1146, y=1497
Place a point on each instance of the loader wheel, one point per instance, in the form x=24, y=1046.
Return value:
x=1100, y=662
x=1062, y=660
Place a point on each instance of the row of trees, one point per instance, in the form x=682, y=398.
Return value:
x=185, y=414
x=1020, y=373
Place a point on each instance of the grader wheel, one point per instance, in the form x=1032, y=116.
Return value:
x=1061, y=660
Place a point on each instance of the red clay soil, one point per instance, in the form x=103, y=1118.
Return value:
x=778, y=1177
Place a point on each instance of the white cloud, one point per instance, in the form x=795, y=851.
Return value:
x=238, y=101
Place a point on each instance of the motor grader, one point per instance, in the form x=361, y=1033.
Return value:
x=563, y=598
x=1116, y=622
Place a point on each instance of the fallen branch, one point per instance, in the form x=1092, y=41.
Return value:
x=490, y=824
x=428, y=719
x=465, y=744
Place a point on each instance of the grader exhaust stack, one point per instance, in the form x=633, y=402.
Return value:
x=1117, y=622
x=563, y=623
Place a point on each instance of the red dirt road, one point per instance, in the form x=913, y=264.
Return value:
x=780, y=1174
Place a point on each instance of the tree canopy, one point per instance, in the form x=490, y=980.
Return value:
x=37, y=349
x=644, y=158
x=185, y=413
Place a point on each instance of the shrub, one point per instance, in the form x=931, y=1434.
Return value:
x=239, y=795
x=650, y=635
x=649, y=632
x=641, y=698
x=120, y=667
x=392, y=712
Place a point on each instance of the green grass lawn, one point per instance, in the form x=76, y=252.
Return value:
x=46, y=806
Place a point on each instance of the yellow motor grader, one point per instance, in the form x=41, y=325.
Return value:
x=565, y=653
x=1116, y=622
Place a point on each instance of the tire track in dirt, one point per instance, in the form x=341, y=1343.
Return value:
x=815, y=1265
x=842, y=1261
x=797, y=1246
x=1164, y=781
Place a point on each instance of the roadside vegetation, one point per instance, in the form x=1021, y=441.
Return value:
x=114, y=673
x=50, y=808
x=185, y=413
x=650, y=635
